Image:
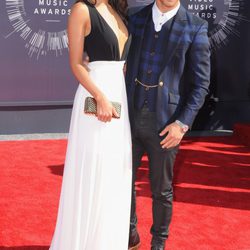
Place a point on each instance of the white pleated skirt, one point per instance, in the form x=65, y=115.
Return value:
x=94, y=209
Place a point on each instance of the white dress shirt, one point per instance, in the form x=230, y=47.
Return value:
x=160, y=18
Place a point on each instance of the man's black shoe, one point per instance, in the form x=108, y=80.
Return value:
x=157, y=248
x=134, y=241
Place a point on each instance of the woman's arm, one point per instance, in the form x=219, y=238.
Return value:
x=79, y=27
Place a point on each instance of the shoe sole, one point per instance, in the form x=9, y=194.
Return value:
x=135, y=247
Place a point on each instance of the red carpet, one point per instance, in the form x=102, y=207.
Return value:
x=242, y=131
x=211, y=205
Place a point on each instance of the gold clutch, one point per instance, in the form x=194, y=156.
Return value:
x=90, y=107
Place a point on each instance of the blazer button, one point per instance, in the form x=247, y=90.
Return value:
x=161, y=83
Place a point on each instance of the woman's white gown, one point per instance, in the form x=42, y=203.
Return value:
x=94, y=209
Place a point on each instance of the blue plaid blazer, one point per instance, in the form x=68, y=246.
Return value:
x=184, y=80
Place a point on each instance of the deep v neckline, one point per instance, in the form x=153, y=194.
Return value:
x=113, y=32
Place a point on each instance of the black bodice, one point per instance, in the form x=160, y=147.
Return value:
x=102, y=44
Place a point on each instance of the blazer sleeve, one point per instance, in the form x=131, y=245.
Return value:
x=199, y=64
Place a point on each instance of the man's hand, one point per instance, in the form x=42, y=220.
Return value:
x=174, y=135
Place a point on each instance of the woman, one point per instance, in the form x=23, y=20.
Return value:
x=95, y=199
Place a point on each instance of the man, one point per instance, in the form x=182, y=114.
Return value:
x=168, y=72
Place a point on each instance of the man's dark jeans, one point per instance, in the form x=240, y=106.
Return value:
x=145, y=137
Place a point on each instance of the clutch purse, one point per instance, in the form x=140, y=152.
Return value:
x=90, y=107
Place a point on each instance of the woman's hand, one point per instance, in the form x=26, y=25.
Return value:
x=105, y=110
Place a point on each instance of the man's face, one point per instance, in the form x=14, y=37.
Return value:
x=166, y=5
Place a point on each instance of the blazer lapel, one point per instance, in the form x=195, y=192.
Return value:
x=140, y=19
x=145, y=16
x=174, y=40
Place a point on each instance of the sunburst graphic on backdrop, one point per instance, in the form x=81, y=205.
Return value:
x=41, y=25
x=223, y=16
x=228, y=24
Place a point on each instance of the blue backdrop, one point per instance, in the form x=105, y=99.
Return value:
x=34, y=56
x=34, y=53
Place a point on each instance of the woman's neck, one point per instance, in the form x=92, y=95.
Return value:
x=98, y=2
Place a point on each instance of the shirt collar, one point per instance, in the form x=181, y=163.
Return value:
x=160, y=18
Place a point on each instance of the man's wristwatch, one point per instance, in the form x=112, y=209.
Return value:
x=184, y=127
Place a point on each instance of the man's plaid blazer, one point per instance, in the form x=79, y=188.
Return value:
x=184, y=80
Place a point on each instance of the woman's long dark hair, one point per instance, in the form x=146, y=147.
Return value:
x=120, y=6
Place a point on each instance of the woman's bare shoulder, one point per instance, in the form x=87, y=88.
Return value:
x=80, y=10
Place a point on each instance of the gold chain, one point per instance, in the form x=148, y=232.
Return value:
x=146, y=86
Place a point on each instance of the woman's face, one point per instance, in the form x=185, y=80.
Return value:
x=123, y=3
